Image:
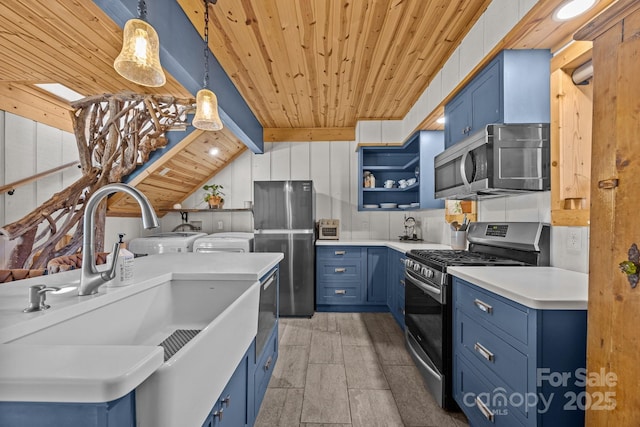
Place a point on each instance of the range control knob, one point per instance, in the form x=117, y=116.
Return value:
x=427, y=273
x=416, y=267
x=408, y=263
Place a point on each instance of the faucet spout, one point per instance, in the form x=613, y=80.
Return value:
x=91, y=279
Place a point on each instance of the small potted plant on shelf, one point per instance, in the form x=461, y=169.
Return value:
x=213, y=196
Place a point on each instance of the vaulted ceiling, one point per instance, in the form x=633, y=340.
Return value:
x=299, y=64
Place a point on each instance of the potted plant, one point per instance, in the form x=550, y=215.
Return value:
x=213, y=195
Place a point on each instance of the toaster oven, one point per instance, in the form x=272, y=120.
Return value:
x=329, y=229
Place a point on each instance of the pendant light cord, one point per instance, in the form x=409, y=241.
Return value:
x=142, y=10
x=206, y=44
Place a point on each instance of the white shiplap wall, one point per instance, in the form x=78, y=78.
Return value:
x=333, y=167
x=28, y=148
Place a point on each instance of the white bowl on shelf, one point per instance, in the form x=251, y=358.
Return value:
x=404, y=206
x=388, y=205
x=371, y=206
x=415, y=205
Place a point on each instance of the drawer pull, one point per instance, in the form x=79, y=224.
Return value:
x=484, y=352
x=340, y=252
x=218, y=414
x=340, y=291
x=483, y=408
x=483, y=306
x=340, y=270
x=226, y=401
x=267, y=364
x=402, y=283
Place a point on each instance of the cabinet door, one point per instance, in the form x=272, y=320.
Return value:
x=392, y=277
x=458, y=119
x=233, y=404
x=377, y=275
x=485, y=96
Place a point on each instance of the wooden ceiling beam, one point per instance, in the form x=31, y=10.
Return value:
x=309, y=134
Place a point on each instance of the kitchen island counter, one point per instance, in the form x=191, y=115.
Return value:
x=121, y=368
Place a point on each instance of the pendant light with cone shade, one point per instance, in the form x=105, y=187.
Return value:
x=207, y=117
x=139, y=59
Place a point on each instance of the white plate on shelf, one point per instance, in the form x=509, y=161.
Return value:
x=404, y=206
x=370, y=206
x=388, y=205
x=415, y=205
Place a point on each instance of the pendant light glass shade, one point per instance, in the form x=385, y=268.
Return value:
x=139, y=60
x=207, y=117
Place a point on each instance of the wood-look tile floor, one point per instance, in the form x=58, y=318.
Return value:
x=348, y=369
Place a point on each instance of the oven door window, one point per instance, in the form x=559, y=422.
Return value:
x=424, y=317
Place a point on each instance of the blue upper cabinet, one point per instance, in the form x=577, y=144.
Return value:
x=513, y=88
x=414, y=159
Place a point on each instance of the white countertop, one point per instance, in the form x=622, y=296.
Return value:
x=546, y=288
x=402, y=246
x=98, y=373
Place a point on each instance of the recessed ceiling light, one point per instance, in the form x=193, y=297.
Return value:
x=440, y=120
x=60, y=91
x=214, y=151
x=572, y=8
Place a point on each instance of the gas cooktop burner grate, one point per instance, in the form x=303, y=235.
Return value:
x=457, y=257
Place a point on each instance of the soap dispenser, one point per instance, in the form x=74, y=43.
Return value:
x=124, y=265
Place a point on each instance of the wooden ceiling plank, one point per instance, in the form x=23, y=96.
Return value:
x=15, y=99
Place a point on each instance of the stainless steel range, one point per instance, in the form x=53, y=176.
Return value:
x=428, y=305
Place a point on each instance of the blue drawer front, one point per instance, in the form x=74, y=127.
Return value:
x=471, y=387
x=488, y=351
x=511, y=318
x=339, y=252
x=264, y=367
x=348, y=293
x=339, y=271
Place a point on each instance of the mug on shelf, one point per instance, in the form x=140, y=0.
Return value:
x=389, y=183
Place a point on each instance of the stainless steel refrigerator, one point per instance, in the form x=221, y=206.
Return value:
x=284, y=222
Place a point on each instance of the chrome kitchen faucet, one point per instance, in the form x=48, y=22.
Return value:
x=91, y=279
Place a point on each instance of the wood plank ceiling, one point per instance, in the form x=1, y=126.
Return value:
x=74, y=43
x=306, y=68
x=327, y=64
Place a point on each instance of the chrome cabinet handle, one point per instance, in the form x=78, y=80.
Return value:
x=484, y=352
x=483, y=306
x=267, y=365
x=402, y=283
x=340, y=270
x=226, y=401
x=218, y=414
x=483, y=408
x=340, y=291
x=339, y=252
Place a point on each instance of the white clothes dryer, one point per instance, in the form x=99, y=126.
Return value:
x=232, y=241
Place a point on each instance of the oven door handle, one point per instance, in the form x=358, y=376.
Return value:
x=424, y=286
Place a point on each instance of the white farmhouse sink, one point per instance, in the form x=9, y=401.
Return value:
x=184, y=388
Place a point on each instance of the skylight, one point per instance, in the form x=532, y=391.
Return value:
x=60, y=91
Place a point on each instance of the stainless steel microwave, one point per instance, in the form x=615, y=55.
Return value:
x=499, y=160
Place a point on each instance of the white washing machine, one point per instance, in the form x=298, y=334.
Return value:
x=165, y=243
x=232, y=241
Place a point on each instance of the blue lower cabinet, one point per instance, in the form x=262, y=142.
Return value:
x=117, y=413
x=508, y=359
x=395, y=286
x=263, y=369
x=232, y=406
x=377, y=267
